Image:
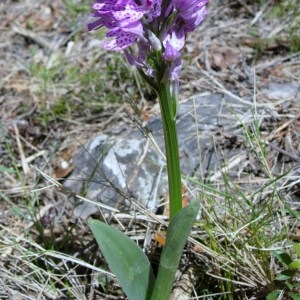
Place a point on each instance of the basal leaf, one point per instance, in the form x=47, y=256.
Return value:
x=178, y=232
x=125, y=259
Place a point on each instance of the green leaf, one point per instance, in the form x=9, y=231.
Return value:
x=125, y=259
x=296, y=285
x=294, y=295
x=285, y=275
x=273, y=295
x=297, y=248
x=295, y=264
x=283, y=257
x=5, y=169
x=290, y=285
x=178, y=232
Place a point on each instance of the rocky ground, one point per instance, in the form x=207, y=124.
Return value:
x=59, y=91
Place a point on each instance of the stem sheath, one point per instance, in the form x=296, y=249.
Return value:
x=168, y=106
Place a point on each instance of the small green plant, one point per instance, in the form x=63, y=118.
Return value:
x=74, y=8
x=65, y=89
x=287, y=281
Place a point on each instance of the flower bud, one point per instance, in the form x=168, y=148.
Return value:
x=154, y=41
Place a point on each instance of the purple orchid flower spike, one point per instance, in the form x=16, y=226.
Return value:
x=157, y=28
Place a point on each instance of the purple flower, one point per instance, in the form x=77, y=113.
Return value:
x=157, y=27
x=123, y=19
x=171, y=53
x=190, y=13
x=173, y=70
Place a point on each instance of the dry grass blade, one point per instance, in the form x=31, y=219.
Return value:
x=60, y=186
x=24, y=162
x=32, y=278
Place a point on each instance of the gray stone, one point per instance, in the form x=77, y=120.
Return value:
x=111, y=170
x=275, y=91
x=117, y=168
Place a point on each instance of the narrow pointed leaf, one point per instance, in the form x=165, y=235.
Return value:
x=294, y=295
x=295, y=264
x=297, y=248
x=283, y=257
x=285, y=275
x=125, y=259
x=273, y=295
x=178, y=232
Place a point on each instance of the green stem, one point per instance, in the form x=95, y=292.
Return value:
x=168, y=106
